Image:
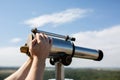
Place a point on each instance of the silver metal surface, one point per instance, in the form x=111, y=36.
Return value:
x=67, y=48
x=59, y=67
x=53, y=34
x=61, y=46
x=81, y=52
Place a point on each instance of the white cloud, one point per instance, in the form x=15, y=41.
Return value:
x=108, y=40
x=16, y=40
x=11, y=56
x=57, y=18
x=108, y=37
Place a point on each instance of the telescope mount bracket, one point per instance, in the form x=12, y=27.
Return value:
x=60, y=61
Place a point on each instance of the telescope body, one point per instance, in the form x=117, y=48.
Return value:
x=60, y=46
x=67, y=47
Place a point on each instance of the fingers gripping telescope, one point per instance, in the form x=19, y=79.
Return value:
x=63, y=49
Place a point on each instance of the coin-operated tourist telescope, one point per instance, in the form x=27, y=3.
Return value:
x=63, y=49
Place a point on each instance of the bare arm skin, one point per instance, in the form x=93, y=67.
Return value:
x=39, y=50
x=33, y=68
x=22, y=72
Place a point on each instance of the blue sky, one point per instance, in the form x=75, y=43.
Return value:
x=94, y=23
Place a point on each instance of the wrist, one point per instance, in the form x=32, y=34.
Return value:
x=40, y=60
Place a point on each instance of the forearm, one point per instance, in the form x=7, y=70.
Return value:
x=22, y=72
x=39, y=48
x=37, y=70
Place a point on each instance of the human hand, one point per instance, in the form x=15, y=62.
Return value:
x=40, y=46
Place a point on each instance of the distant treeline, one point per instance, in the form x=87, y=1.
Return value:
x=86, y=74
x=76, y=74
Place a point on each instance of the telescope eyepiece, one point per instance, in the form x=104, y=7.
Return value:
x=100, y=57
